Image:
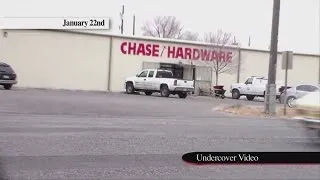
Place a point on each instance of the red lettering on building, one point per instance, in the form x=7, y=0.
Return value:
x=222, y=57
x=205, y=54
x=175, y=52
x=148, y=50
x=171, y=52
x=229, y=57
x=123, y=47
x=143, y=49
x=179, y=53
x=196, y=54
x=132, y=48
x=187, y=54
x=155, y=50
x=216, y=56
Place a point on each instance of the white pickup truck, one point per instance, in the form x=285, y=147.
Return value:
x=255, y=86
x=158, y=80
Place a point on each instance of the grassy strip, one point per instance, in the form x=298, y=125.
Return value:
x=240, y=109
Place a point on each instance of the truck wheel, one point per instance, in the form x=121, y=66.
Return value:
x=182, y=95
x=129, y=88
x=148, y=93
x=7, y=86
x=290, y=101
x=235, y=94
x=250, y=97
x=164, y=91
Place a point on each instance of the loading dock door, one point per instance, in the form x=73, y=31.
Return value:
x=188, y=73
x=204, y=74
x=176, y=69
x=203, y=77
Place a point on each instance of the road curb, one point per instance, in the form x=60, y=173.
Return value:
x=222, y=107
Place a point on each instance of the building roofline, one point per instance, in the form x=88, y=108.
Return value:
x=267, y=51
x=165, y=40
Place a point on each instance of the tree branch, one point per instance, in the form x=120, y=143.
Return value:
x=219, y=41
x=167, y=27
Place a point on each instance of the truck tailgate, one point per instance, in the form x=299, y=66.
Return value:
x=185, y=83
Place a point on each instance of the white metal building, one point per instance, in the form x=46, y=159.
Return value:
x=87, y=61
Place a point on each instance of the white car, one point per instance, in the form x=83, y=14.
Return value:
x=158, y=80
x=308, y=108
x=296, y=92
x=255, y=86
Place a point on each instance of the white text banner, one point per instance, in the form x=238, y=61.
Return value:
x=102, y=23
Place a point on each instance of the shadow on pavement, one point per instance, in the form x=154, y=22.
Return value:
x=3, y=174
x=153, y=95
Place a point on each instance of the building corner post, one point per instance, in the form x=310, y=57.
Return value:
x=239, y=65
x=110, y=64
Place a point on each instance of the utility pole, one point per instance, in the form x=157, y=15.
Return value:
x=134, y=24
x=270, y=95
x=121, y=16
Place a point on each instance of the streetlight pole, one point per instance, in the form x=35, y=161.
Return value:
x=270, y=95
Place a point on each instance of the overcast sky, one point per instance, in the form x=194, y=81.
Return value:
x=299, y=19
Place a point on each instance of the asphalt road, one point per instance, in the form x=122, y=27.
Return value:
x=93, y=135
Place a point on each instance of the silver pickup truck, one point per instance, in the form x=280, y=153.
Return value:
x=308, y=108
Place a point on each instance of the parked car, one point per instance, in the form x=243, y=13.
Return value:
x=254, y=86
x=296, y=92
x=308, y=109
x=7, y=76
x=158, y=80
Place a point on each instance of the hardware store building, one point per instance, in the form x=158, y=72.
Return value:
x=101, y=62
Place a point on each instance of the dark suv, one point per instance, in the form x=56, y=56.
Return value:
x=7, y=76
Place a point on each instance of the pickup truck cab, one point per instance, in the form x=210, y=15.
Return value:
x=254, y=86
x=158, y=80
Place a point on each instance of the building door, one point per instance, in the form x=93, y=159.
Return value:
x=178, y=72
x=174, y=68
x=188, y=72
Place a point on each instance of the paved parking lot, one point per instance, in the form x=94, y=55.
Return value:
x=48, y=134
